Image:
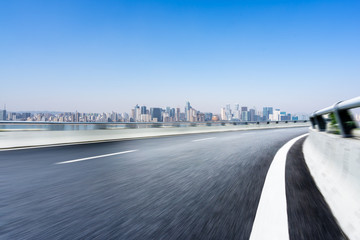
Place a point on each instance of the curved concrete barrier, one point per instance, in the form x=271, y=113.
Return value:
x=334, y=163
x=18, y=139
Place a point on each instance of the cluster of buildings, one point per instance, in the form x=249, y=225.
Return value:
x=168, y=114
x=156, y=114
x=267, y=114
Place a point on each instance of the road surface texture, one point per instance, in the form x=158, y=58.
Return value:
x=199, y=186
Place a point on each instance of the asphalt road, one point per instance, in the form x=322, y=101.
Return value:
x=199, y=186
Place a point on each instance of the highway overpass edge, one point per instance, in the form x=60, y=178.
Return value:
x=334, y=163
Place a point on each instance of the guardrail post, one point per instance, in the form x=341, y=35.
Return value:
x=313, y=123
x=345, y=121
x=321, y=123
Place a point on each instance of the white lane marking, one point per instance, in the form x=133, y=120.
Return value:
x=203, y=139
x=271, y=220
x=99, y=156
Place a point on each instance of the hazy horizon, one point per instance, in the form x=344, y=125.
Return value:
x=94, y=56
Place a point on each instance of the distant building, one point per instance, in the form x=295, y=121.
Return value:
x=182, y=117
x=223, y=114
x=192, y=115
x=137, y=111
x=177, y=116
x=266, y=113
x=228, y=112
x=215, y=118
x=201, y=117
x=244, y=116
x=156, y=113
x=172, y=114
x=145, y=118
x=3, y=115
x=76, y=117
x=237, y=107
x=187, y=110
x=251, y=115
x=275, y=116
x=208, y=116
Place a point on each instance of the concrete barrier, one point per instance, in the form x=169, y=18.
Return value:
x=17, y=139
x=334, y=163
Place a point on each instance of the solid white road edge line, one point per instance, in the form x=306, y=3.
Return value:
x=99, y=156
x=271, y=220
x=203, y=139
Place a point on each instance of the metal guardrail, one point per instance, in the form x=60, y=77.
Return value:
x=71, y=126
x=343, y=117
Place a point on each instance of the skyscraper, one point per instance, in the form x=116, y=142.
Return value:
x=228, y=112
x=76, y=117
x=177, y=117
x=137, y=113
x=223, y=114
x=266, y=113
x=172, y=113
x=187, y=110
x=3, y=114
x=275, y=116
x=156, y=114
x=244, y=116
x=251, y=115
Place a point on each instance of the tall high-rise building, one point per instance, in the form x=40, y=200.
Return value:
x=76, y=117
x=172, y=113
x=187, y=111
x=3, y=114
x=177, y=116
x=137, y=113
x=251, y=115
x=223, y=114
x=192, y=115
x=156, y=113
x=182, y=117
x=275, y=116
x=244, y=116
x=266, y=113
x=228, y=112
x=132, y=116
x=125, y=117
x=143, y=109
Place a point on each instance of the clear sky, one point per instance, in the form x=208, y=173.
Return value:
x=95, y=56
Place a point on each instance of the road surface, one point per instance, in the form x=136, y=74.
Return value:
x=199, y=186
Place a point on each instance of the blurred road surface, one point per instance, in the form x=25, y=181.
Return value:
x=199, y=186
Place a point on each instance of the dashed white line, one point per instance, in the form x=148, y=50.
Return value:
x=271, y=221
x=203, y=139
x=99, y=156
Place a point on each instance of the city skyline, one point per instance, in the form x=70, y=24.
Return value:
x=143, y=113
x=92, y=56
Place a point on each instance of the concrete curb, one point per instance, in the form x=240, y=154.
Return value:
x=334, y=163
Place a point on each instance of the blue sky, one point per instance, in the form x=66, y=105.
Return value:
x=96, y=56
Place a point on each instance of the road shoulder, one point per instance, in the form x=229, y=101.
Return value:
x=309, y=216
